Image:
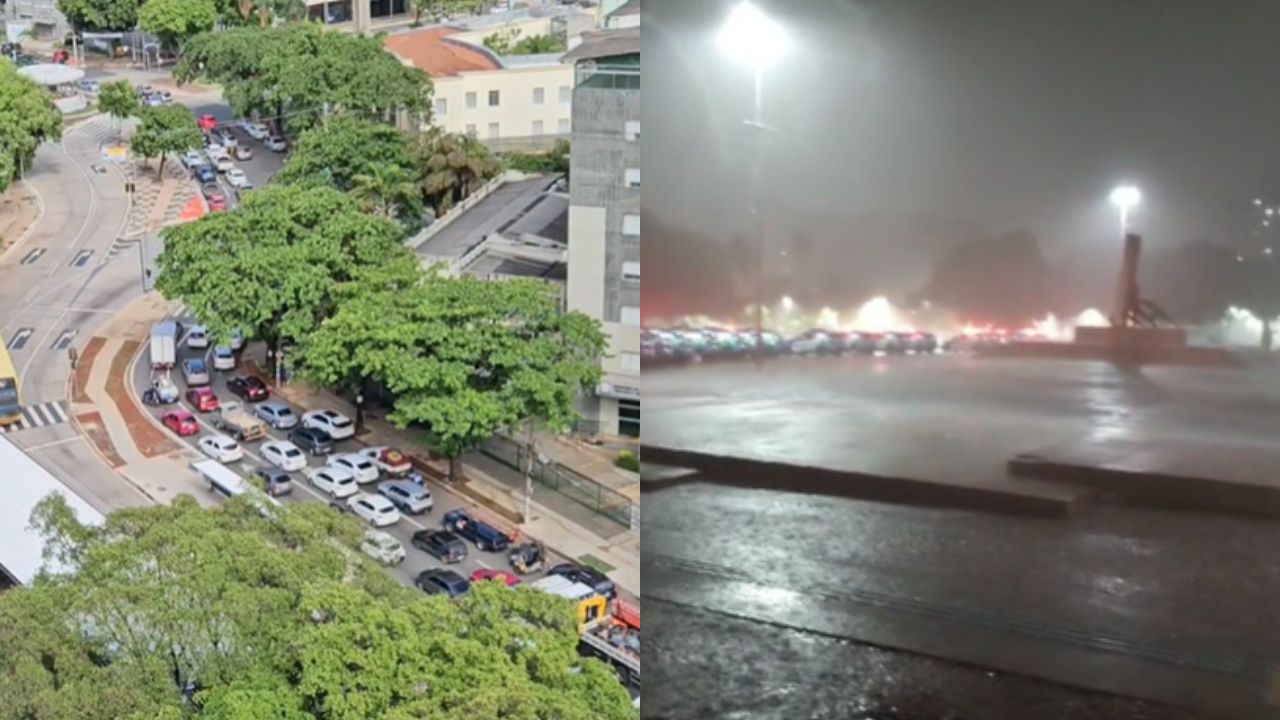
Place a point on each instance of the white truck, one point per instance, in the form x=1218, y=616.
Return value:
x=164, y=345
x=233, y=419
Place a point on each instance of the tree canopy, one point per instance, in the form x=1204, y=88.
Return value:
x=176, y=21
x=342, y=148
x=453, y=167
x=512, y=42
x=165, y=130
x=301, y=72
x=118, y=100
x=101, y=15
x=464, y=357
x=278, y=265
x=28, y=117
x=178, y=611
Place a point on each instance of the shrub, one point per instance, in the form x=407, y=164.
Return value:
x=628, y=460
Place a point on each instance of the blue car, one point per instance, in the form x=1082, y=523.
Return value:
x=485, y=536
x=206, y=174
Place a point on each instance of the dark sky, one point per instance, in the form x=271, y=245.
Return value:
x=1001, y=114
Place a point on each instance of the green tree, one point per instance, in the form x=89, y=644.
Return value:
x=554, y=161
x=164, y=130
x=453, y=167
x=336, y=152
x=502, y=41
x=463, y=357
x=279, y=264
x=437, y=10
x=118, y=100
x=387, y=190
x=301, y=73
x=28, y=117
x=178, y=611
x=176, y=21
x=101, y=15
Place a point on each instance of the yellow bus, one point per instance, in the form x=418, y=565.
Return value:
x=10, y=403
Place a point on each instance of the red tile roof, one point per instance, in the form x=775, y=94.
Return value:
x=428, y=51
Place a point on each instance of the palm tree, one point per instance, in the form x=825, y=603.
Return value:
x=453, y=167
x=386, y=190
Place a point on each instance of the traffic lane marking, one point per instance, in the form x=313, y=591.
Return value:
x=32, y=256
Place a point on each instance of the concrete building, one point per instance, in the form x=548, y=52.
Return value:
x=604, y=216
x=40, y=17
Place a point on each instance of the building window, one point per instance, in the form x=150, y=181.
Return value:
x=338, y=12
x=442, y=107
x=562, y=126
x=471, y=129
x=629, y=361
x=633, y=131
x=629, y=315
x=493, y=130
x=386, y=8
x=493, y=98
x=566, y=94
x=537, y=127
x=631, y=225
x=629, y=418
x=632, y=176
x=631, y=270
x=537, y=96
x=471, y=101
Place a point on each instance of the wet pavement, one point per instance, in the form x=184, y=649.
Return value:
x=762, y=592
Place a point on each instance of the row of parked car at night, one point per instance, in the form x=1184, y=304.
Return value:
x=677, y=345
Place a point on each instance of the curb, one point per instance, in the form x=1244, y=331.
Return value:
x=26, y=234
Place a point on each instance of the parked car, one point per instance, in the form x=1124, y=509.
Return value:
x=223, y=358
x=313, y=440
x=390, y=461
x=588, y=576
x=334, y=481
x=237, y=340
x=206, y=122
x=921, y=343
x=221, y=448
x=202, y=399
x=277, y=144
x=814, y=342
x=181, y=422
x=242, y=152
x=218, y=203
x=198, y=338
x=379, y=511
x=485, y=536
x=438, y=581
x=284, y=455
x=195, y=372
x=192, y=159
x=358, y=465
x=277, y=415
x=223, y=163
x=410, y=497
x=236, y=177
x=227, y=137
x=161, y=392
x=274, y=480
x=491, y=574
x=338, y=426
x=210, y=189
x=382, y=547
x=92, y=87
x=447, y=547
x=248, y=388
x=205, y=175
x=255, y=130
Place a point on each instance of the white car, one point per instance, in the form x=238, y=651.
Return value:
x=382, y=547
x=192, y=158
x=242, y=152
x=338, y=426
x=389, y=460
x=223, y=163
x=227, y=138
x=198, y=338
x=223, y=358
x=255, y=130
x=284, y=455
x=236, y=178
x=237, y=340
x=376, y=509
x=214, y=150
x=335, y=481
x=356, y=465
x=277, y=144
x=221, y=448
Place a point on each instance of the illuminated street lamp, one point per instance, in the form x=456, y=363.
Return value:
x=752, y=38
x=1125, y=197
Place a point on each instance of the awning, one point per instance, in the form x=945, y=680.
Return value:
x=52, y=74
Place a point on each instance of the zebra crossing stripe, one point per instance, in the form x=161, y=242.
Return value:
x=44, y=414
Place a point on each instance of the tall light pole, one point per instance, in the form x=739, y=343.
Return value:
x=751, y=38
x=1125, y=197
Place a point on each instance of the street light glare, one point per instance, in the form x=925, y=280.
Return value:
x=749, y=36
x=1125, y=196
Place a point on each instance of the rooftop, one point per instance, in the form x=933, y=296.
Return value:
x=431, y=50
x=515, y=210
x=606, y=43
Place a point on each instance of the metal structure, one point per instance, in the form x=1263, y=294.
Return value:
x=1131, y=309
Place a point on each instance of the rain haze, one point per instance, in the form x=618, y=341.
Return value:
x=904, y=130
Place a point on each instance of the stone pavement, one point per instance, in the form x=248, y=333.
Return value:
x=20, y=210
x=557, y=530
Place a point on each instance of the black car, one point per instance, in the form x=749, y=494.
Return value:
x=274, y=480
x=312, y=440
x=437, y=581
x=248, y=388
x=446, y=546
x=485, y=536
x=588, y=576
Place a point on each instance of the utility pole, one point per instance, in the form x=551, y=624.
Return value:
x=528, y=472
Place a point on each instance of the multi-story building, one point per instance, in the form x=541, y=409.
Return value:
x=604, y=216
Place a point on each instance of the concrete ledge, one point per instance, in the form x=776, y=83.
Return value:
x=660, y=477
x=1132, y=355
x=742, y=472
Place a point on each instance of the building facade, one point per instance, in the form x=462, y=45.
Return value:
x=603, y=278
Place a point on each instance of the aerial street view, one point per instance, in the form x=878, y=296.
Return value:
x=961, y=384
x=319, y=367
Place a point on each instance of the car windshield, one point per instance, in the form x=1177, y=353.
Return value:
x=195, y=365
x=344, y=480
x=283, y=411
x=292, y=452
x=339, y=421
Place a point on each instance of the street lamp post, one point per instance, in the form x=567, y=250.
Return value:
x=752, y=38
x=1125, y=197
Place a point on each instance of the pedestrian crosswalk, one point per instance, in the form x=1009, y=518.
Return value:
x=39, y=415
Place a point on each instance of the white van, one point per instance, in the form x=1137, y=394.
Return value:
x=227, y=483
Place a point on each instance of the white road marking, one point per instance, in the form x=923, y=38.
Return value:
x=52, y=443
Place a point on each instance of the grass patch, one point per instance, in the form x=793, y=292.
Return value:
x=592, y=561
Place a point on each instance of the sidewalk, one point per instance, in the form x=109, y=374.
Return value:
x=561, y=524
x=20, y=210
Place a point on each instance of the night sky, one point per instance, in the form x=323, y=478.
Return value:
x=967, y=114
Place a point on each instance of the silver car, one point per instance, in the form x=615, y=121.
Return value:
x=276, y=414
x=195, y=372
x=409, y=497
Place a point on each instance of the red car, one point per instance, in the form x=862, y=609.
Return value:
x=61, y=56
x=181, y=422
x=207, y=122
x=217, y=202
x=491, y=574
x=202, y=399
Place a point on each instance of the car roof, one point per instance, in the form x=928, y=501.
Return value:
x=201, y=391
x=193, y=361
x=411, y=488
x=274, y=405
